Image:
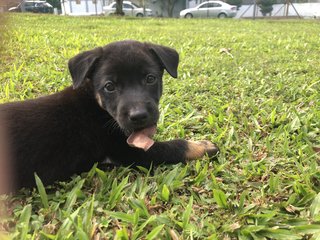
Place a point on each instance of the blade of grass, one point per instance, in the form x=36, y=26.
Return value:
x=42, y=191
x=187, y=213
x=220, y=198
x=154, y=233
x=24, y=220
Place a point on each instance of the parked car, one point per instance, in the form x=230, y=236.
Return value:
x=33, y=6
x=129, y=9
x=210, y=9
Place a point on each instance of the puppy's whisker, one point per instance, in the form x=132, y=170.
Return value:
x=112, y=126
x=109, y=123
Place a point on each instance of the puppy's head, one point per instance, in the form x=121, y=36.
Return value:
x=126, y=78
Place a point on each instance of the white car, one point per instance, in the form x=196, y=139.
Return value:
x=129, y=9
x=210, y=9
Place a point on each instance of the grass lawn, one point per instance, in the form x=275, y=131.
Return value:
x=260, y=103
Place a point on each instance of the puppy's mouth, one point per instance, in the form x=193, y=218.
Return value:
x=142, y=138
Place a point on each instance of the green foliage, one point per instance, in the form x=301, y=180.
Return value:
x=259, y=102
x=237, y=3
x=55, y=3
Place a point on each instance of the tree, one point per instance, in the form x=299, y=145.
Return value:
x=265, y=6
x=237, y=3
x=55, y=3
x=169, y=6
x=119, y=10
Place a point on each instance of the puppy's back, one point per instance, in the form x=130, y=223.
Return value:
x=52, y=136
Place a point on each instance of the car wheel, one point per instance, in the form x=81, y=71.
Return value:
x=222, y=15
x=139, y=15
x=188, y=15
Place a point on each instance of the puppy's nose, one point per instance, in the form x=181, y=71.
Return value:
x=138, y=115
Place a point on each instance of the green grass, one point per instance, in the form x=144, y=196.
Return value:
x=261, y=105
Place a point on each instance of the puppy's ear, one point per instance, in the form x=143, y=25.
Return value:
x=82, y=64
x=168, y=57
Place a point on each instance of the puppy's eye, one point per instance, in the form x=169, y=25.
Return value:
x=109, y=87
x=151, y=79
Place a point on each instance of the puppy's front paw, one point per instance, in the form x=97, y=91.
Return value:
x=199, y=149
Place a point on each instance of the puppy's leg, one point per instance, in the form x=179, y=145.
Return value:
x=198, y=149
x=180, y=151
x=169, y=152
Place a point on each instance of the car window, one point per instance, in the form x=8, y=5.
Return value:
x=135, y=5
x=29, y=4
x=113, y=5
x=204, y=5
x=211, y=5
x=216, y=5
x=125, y=5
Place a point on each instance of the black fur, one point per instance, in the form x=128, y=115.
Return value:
x=112, y=95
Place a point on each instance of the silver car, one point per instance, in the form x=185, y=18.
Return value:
x=210, y=9
x=129, y=9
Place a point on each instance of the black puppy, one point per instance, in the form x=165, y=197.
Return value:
x=110, y=112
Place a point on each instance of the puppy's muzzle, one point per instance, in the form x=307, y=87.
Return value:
x=138, y=116
x=142, y=120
